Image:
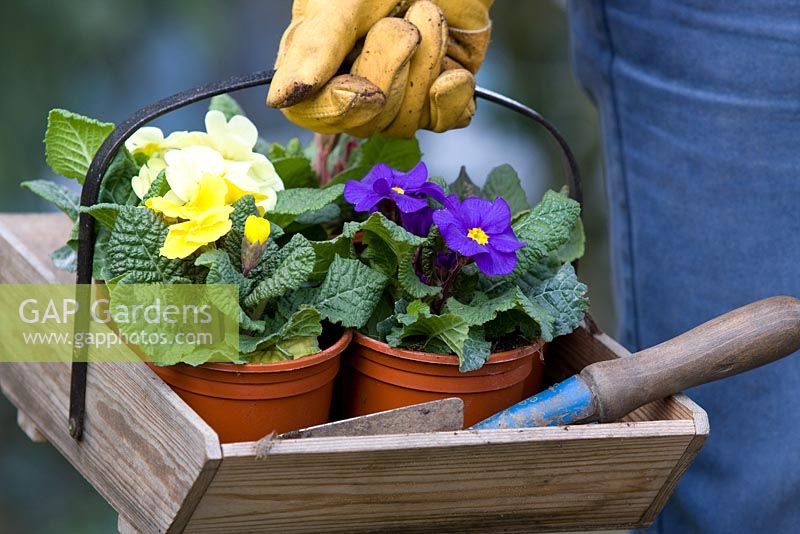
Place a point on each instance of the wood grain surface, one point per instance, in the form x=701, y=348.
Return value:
x=144, y=450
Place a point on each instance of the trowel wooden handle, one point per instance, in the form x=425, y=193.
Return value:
x=738, y=341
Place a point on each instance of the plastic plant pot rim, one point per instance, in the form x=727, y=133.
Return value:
x=444, y=359
x=290, y=365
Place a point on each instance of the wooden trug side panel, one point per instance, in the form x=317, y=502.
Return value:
x=544, y=479
x=147, y=453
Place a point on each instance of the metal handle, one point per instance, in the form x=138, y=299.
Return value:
x=109, y=148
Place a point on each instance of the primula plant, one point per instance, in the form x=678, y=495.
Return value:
x=222, y=206
x=469, y=271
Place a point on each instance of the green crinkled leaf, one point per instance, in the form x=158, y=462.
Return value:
x=409, y=280
x=400, y=154
x=105, y=214
x=65, y=258
x=291, y=302
x=476, y=351
x=71, y=141
x=287, y=341
x=326, y=251
x=222, y=271
x=396, y=237
x=227, y=105
x=547, y=227
x=134, y=249
x=288, y=270
x=350, y=292
x=379, y=255
x=249, y=325
x=564, y=297
x=295, y=171
x=158, y=188
x=64, y=199
x=463, y=186
x=503, y=181
x=483, y=310
x=116, y=185
x=575, y=247
x=418, y=327
x=329, y=213
x=294, y=202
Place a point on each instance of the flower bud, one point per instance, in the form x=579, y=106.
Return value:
x=256, y=234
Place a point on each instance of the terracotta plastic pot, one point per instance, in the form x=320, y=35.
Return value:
x=535, y=381
x=247, y=402
x=380, y=377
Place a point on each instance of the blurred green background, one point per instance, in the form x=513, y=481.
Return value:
x=106, y=59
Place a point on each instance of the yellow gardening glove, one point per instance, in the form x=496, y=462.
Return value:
x=407, y=73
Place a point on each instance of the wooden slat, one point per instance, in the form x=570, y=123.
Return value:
x=26, y=242
x=143, y=449
x=594, y=476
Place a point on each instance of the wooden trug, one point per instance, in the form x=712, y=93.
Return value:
x=163, y=469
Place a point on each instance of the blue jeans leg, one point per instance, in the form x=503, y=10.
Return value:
x=700, y=110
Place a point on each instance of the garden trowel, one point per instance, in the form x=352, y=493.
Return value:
x=436, y=416
x=738, y=341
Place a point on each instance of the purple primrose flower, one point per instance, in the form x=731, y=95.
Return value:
x=482, y=230
x=408, y=191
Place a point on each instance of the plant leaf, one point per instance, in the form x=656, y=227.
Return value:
x=65, y=258
x=350, y=292
x=419, y=327
x=575, y=247
x=463, y=186
x=71, y=141
x=158, y=188
x=503, y=181
x=134, y=249
x=544, y=229
x=296, y=172
x=564, y=297
x=326, y=251
x=116, y=185
x=476, y=351
x=289, y=269
x=221, y=271
x=409, y=280
x=294, y=202
x=105, y=214
x=64, y=199
x=227, y=105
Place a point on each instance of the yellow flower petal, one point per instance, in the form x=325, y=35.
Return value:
x=235, y=193
x=256, y=229
x=176, y=245
x=211, y=225
x=164, y=205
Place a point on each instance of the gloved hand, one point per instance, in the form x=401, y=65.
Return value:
x=411, y=73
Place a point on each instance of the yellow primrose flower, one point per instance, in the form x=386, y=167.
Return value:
x=235, y=193
x=256, y=229
x=211, y=193
x=234, y=139
x=150, y=141
x=147, y=174
x=186, y=237
x=186, y=167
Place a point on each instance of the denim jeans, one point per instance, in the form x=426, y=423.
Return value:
x=700, y=110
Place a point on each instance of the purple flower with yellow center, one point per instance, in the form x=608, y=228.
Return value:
x=480, y=229
x=408, y=191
